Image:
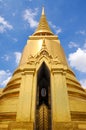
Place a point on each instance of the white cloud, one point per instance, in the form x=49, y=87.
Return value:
x=52, y=25
x=4, y=77
x=15, y=39
x=82, y=32
x=17, y=56
x=73, y=45
x=84, y=45
x=3, y=3
x=56, y=29
x=6, y=57
x=13, y=14
x=78, y=60
x=59, y=30
x=83, y=83
x=30, y=16
x=4, y=25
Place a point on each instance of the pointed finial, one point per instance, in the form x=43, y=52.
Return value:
x=43, y=10
x=43, y=27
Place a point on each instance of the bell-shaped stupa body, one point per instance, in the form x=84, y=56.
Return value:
x=43, y=93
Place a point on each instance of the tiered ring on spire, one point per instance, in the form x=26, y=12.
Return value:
x=43, y=27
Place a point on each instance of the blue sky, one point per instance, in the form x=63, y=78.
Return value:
x=19, y=19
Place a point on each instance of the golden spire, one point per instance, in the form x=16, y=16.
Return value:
x=43, y=27
x=43, y=13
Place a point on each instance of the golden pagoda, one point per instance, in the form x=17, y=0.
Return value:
x=43, y=93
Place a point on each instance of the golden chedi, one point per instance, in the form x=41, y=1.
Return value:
x=43, y=93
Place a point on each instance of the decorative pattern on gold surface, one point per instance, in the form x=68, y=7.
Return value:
x=43, y=117
x=43, y=53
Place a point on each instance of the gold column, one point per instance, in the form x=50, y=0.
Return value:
x=33, y=106
x=60, y=104
x=25, y=98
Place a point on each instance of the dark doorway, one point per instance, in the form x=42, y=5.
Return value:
x=43, y=100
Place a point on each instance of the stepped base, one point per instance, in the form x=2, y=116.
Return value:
x=69, y=126
x=3, y=126
x=21, y=126
x=79, y=125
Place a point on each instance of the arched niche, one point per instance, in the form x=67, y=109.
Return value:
x=43, y=98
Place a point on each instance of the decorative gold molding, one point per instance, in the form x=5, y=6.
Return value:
x=43, y=54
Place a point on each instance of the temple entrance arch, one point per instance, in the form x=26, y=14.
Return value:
x=43, y=100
